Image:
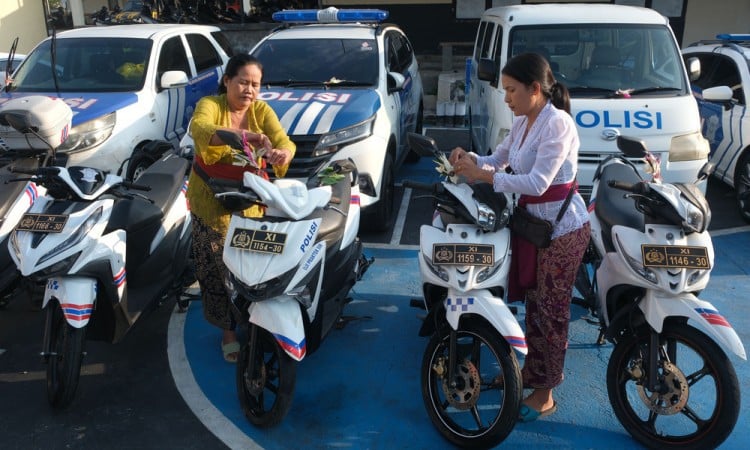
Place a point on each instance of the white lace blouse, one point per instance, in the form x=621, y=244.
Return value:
x=548, y=155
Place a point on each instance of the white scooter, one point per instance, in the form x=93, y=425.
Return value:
x=290, y=273
x=471, y=380
x=106, y=252
x=669, y=382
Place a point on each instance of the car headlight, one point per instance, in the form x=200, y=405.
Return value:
x=88, y=134
x=688, y=147
x=331, y=142
x=75, y=237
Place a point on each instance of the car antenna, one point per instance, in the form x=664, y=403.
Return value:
x=9, y=64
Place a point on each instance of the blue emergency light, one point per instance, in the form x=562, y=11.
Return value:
x=733, y=37
x=330, y=15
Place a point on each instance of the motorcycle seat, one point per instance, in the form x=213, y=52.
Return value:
x=333, y=222
x=612, y=207
x=11, y=191
x=165, y=177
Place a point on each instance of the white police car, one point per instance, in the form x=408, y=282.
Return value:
x=723, y=94
x=344, y=85
x=132, y=88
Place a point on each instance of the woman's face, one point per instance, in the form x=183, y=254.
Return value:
x=243, y=88
x=521, y=99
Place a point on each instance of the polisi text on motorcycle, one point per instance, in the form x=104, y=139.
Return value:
x=309, y=237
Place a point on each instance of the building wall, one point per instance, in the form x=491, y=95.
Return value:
x=707, y=18
x=23, y=19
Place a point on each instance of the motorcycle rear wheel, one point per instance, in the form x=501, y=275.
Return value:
x=702, y=403
x=64, y=365
x=266, y=393
x=482, y=408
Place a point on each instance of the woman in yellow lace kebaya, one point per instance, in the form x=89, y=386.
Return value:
x=235, y=109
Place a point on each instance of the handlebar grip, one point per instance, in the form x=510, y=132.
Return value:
x=24, y=171
x=416, y=185
x=621, y=185
x=137, y=187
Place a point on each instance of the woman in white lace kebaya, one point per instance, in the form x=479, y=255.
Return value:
x=538, y=160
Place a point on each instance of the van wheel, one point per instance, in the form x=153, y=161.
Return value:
x=379, y=216
x=742, y=186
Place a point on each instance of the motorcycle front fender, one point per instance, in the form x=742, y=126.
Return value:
x=492, y=309
x=656, y=308
x=282, y=317
x=76, y=296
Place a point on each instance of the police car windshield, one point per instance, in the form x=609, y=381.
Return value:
x=326, y=62
x=85, y=65
x=607, y=59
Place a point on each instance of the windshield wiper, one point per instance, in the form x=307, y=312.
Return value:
x=305, y=83
x=654, y=89
x=591, y=89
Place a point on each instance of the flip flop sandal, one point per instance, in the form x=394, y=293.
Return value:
x=528, y=414
x=231, y=351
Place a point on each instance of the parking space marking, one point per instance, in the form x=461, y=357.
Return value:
x=398, y=227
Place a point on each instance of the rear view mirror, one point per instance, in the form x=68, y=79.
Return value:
x=422, y=145
x=632, y=147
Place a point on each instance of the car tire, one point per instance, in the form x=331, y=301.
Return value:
x=742, y=186
x=379, y=215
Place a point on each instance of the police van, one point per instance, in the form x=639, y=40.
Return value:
x=345, y=84
x=723, y=94
x=624, y=71
x=132, y=88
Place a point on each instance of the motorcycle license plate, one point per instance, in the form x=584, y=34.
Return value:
x=261, y=241
x=463, y=254
x=675, y=256
x=42, y=223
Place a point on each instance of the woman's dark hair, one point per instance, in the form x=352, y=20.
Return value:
x=530, y=67
x=234, y=65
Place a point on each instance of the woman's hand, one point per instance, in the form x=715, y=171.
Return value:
x=467, y=167
x=456, y=154
x=278, y=156
x=257, y=140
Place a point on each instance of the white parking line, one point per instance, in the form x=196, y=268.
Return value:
x=398, y=227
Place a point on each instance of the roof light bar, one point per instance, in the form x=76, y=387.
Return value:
x=330, y=15
x=733, y=37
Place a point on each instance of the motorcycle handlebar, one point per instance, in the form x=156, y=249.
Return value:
x=134, y=186
x=635, y=188
x=427, y=187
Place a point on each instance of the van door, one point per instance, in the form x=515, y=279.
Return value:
x=483, y=95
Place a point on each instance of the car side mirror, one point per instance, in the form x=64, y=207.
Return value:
x=396, y=82
x=486, y=70
x=173, y=79
x=717, y=94
x=694, y=68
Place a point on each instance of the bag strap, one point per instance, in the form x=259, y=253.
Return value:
x=564, y=207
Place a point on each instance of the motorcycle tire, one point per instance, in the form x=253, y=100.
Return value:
x=64, y=365
x=482, y=408
x=266, y=393
x=694, y=369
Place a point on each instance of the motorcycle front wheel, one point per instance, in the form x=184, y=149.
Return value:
x=266, y=389
x=64, y=364
x=699, y=402
x=479, y=406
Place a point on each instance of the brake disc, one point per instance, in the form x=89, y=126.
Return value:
x=675, y=399
x=467, y=386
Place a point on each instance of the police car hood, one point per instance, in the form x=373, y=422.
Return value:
x=318, y=111
x=654, y=119
x=85, y=105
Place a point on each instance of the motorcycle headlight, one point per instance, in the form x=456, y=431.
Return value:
x=694, y=219
x=331, y=142
x=436, y=269
x=14, y=247
x=636, y=264
x=485, y=217
x=88, y=134
x=75, y=237
x=489, y=271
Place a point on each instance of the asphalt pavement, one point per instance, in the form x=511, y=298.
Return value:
x=166, y=385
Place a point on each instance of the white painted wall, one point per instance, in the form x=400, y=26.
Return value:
x=707, y=18
x=23, y=19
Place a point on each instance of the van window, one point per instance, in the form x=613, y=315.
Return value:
x=720, y=70
x=480, y=40
x=497, y=55
x=598, y=60
x=483, y=46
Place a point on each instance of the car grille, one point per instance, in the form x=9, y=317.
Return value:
x=304, y=163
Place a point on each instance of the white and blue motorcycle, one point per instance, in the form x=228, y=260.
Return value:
x=471, y=380
x=107, y=250
x=290, y=273
x=669, y=381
